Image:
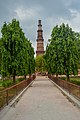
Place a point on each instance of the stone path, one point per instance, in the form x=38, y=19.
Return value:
x=43, y=101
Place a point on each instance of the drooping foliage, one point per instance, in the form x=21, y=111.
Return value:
x=0, y=54
x=16, y=51
x=78, y=45
x=62, y=54
x=31, y=61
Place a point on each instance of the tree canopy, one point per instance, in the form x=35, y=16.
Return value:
x=16, y=50
x=62, y=54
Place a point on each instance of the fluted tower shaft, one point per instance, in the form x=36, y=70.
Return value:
x=40, y=40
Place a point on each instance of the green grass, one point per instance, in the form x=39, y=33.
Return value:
x=11, y=93
x=74, y=80
x=8, y=83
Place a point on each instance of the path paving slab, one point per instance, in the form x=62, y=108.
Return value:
x=42, y=101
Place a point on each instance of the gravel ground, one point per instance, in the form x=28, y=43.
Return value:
x=43, y=101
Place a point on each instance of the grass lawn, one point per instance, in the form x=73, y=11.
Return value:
x=75, y=80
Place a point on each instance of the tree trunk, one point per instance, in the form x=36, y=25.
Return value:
x=68, y=79
x=29, y=75
x=25, y=76
x=14, y=76
x=56, y=75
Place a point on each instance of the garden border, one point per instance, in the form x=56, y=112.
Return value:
x=69, y=96
x=14, y=101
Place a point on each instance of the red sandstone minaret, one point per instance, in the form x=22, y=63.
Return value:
x=40, y=40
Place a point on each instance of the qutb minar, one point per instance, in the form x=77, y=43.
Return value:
x=40, y=40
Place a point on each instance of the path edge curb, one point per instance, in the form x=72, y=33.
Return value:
x=17, y=98
x=14, y=101
x=69, y=96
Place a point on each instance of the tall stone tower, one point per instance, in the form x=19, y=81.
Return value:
x=40, y=40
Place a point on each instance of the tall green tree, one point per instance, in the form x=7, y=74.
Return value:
x=15, y=50
x=62, y=52
x=31, y=60
x=78, y=45
x=0, y=55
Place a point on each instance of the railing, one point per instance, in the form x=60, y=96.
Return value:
x=69, y=87
x=8, y=94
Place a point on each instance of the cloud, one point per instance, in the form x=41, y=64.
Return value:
x=27, y=13
x=74, y=21
x=23, y=14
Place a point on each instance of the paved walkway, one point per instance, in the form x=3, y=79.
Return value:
x=43, y=101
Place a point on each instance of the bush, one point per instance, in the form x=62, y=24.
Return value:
x=20, y=79
x=7, y=83
x=63, y=78
x=3, y=84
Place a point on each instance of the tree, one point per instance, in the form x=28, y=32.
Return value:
x=62, y=52
x=78, y=45
x=15, y=50
x=40, y=63
x=0, y=55
x=31, y=60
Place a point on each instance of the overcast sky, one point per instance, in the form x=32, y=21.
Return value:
x=51, y=12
